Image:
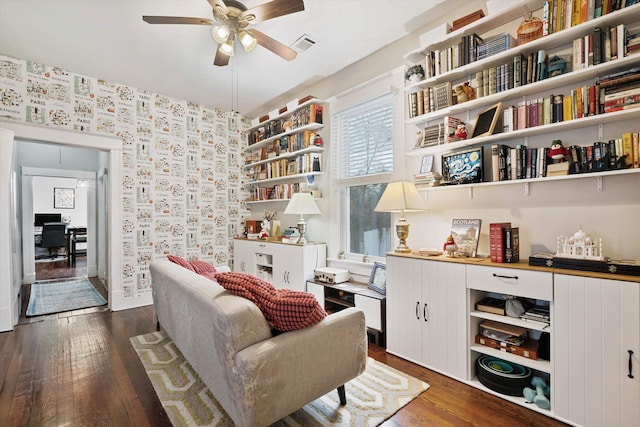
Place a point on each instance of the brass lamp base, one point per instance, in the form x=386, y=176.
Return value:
x=402, y=231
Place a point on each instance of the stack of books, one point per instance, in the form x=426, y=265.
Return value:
x=427, y=179
x=620, y=91
x=507, y=338
x=537, y=314
x=496, y=45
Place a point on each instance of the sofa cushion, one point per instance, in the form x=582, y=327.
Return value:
x=180, y=261
x=285, y=309
x=201, y=267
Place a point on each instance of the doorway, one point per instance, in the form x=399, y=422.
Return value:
x=110, y=153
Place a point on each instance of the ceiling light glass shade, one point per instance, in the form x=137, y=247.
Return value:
x=247, y=40
x=227, y=48
x=220, y=33
x=401, y=197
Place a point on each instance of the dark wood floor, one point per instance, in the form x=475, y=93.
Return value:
x=80, y=369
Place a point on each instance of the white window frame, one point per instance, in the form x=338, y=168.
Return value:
x=389, y=82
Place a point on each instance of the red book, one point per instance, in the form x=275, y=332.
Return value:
x=496, y=240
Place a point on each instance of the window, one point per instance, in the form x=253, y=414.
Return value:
x=363, y=136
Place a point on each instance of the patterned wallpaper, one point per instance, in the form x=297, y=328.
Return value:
x=182, y=181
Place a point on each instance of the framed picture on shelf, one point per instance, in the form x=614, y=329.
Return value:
x=488, y=121
x=443, y=95
x=427, y=164
x=378, y=278
x=291, y=168
x=64, y=198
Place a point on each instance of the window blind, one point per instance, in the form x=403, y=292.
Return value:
x=364, y=139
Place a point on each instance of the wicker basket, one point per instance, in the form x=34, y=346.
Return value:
x=530, y=29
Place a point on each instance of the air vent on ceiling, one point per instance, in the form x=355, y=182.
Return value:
x=303, y=43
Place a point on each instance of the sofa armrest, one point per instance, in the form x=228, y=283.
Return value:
x=291, y=369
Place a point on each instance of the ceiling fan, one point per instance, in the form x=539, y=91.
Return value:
x=231, y=19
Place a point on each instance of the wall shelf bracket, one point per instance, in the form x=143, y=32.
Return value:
x=599, y=183
x=471, y=192
x=527, y=189
x=601, y=131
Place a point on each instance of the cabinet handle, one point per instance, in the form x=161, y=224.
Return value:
x=630, y=364
x=425, y=312
x=505, y=277
x=417, y=308
x=242, y=266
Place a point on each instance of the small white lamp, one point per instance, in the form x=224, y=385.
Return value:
x=301, y=204
x=401, y=197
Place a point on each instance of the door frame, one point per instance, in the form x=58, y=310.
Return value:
x=113, y=146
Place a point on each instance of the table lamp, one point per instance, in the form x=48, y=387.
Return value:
x=302, y=203
x=401, y=197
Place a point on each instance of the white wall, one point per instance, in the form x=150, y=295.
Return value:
x=43, y=198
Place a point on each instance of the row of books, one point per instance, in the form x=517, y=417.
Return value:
x=302, y=117
x=521, y=162
x=561, y=14
x=605, y=96
x=285, y=144
x=469, y=49
x=604, y=45
x=277, y=192
x=619, y=153
x=504, y=242
x=472, y=47
x=309, y=162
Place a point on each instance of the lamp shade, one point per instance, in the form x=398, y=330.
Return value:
x=402, y=197
x=302, y=204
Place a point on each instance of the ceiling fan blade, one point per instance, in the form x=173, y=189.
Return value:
x=176, y=20
x=270, y=10
x=273, y=45
x=221, y=59
x=220, y=10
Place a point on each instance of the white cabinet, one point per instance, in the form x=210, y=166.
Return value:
x=286, y=266
x=336, y=297
x=498, y=282
x=426, y=306
x=596, y=326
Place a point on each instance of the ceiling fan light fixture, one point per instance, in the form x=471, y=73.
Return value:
x=227, y=48
x=220, y=33
x=247, y=40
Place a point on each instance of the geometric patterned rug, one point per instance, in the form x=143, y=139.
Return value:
x=59, y=296
x=372, y=397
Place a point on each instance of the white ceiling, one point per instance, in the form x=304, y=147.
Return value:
x=107, y=39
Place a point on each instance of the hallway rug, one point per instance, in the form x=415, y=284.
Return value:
x=373, y=397
x=59, y=296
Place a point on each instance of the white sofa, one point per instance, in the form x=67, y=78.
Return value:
x=256, y=377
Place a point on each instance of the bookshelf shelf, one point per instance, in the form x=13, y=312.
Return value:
x=266, y=141
x=600, y=119
x=623, y=16
x=286, y=155
x=531, y=88
x=280, y=163
x=297, y=176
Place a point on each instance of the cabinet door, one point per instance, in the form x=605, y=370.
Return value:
x=293, y=265
x=404, y=308
x=243, y=256
x=372, y=308
x=317, y=291
x=596, y=323
x=444, y=346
